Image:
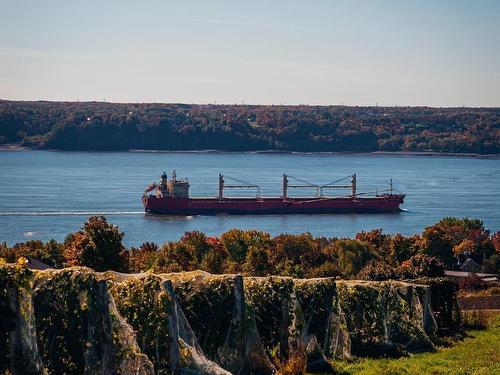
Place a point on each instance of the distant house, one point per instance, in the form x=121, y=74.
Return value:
x=487, y=277
x=470, y=266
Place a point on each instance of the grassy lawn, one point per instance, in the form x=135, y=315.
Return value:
x=479, y=353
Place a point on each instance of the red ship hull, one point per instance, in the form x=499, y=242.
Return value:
x=261, y=206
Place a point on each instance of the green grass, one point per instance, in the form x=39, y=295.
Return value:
x=478, y=353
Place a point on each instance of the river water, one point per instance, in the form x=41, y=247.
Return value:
x=47, y=194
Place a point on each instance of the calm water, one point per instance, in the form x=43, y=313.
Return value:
x=47, y=194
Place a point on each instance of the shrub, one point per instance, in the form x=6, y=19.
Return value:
x=377, y=270
x=257, y=262
x=142, y=258
x=50, y=253
x=472, y=283
x=294, y=365
x=236, y=243
x=493, y=291
x=352, y=256
x=475, y=319
x=198, y=241
x=327, y=269
x=175, y=257
x=213, y=260
x=420, y=265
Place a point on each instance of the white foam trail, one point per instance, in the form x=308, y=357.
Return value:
x=68, y=213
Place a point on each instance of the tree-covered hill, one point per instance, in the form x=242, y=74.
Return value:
x=111, y=126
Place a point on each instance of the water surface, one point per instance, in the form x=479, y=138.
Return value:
x=47, y=194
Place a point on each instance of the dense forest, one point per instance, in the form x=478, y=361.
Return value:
x=108, y=126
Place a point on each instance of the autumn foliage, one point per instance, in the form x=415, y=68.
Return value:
x=97, y=245
x=371, y=255
x=108, y=126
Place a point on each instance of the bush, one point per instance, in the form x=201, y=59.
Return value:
x=257, y=262
x=420, y=265
x=142, y=259
x=475, y=319
x=493, y=291
x=294, y=365
x=327, y=269
x=377, y=271
x=198, y=241
x=50, y=253
x=472, y=283
x=175, y=257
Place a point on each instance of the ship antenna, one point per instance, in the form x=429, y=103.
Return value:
x=391, y=186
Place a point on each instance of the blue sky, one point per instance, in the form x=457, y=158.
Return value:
x=438, y=53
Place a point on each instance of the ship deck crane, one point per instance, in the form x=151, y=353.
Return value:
x=243, y=185
x=319, y=188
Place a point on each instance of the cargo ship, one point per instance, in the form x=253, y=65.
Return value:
x=171, y=197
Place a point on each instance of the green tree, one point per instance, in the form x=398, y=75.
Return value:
x=379, y=241
x=352, y=256
x=257, y=262
x=377, y=270
x=97, y=245
x=142, y=259
x=420, y=265
x=435, y=244
x=198, y=241
x=400, y=249
x=175, y=257
x=237, y=242
x=214, y=259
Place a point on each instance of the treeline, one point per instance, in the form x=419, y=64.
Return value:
x=370, y=255
x=107, y=126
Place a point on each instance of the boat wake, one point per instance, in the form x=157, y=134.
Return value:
x=68, y=213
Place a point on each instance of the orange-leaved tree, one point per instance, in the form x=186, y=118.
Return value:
x=97, y=245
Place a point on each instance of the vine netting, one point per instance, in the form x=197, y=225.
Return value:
x=75, y=320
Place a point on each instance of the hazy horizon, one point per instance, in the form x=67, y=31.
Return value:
x=247, y=104
x=356, y=53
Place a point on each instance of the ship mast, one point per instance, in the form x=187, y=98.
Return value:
x=285, y=186
x=221, y=186
x=353, y=184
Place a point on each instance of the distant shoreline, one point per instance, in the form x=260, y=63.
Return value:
x=14, y=147
x=373, y=153
x=18, y=147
